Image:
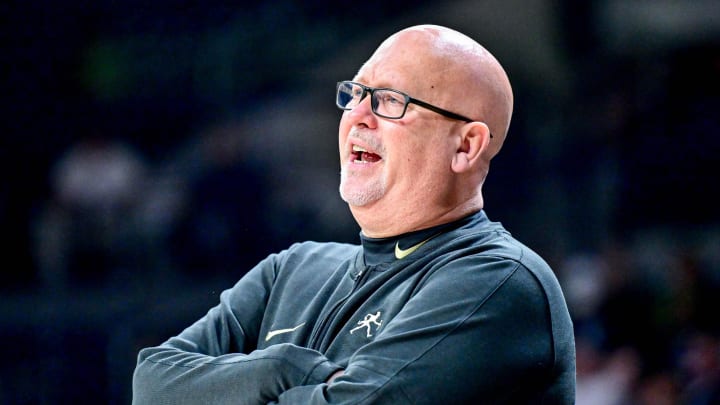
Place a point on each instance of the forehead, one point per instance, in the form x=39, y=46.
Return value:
x=413, y=62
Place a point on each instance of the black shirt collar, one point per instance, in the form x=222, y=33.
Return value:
x=382, y=250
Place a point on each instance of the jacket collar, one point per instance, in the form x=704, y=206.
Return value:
x=403, y=247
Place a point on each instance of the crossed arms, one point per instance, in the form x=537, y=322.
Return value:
x=477, y=333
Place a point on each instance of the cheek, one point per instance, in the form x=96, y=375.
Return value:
x=343, y=130
x=427, y=164
x=415, y=163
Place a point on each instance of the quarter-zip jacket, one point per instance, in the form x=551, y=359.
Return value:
x=470, y=316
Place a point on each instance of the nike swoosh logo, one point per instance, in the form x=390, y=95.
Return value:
x=401, y=254
x=274, y=333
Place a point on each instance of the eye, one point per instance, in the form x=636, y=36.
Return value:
x=356, y=92
x=392, y=99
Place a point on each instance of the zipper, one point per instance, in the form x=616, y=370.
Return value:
x=321, y=331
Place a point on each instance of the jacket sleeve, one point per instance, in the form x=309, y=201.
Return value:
x=213, y=360
x=471, y=333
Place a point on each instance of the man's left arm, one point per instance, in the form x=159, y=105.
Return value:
x=469, y=333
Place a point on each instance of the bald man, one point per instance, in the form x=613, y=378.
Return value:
x=437, y=304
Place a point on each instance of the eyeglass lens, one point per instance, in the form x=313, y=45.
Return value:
x=385, y=102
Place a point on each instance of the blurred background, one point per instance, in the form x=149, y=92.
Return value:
x=152, y=152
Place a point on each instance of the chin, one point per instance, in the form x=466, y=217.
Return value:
x=356, y=200
x=359, y=197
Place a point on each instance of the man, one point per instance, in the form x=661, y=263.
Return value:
x=437, y=305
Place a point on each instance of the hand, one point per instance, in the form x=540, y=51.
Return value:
x=335, y=375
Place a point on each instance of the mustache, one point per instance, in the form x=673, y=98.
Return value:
x=373, y=142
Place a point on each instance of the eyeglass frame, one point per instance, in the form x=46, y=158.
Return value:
x=408, y=99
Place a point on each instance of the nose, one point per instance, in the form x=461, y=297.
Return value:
x=362, y=113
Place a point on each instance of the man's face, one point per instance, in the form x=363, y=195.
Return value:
x=396, y=164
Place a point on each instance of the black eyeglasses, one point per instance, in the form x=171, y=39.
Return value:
x=387, y=103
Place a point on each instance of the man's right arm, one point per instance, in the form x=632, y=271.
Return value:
x=170, y=375
x=214, y=361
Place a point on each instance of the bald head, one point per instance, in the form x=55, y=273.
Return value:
x=455, y=71
x=428, y=166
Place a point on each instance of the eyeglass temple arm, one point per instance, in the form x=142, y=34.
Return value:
x=441, y=111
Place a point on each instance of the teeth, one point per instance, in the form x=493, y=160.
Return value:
x=357, y=148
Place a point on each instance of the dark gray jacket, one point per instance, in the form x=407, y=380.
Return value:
x=470, y=316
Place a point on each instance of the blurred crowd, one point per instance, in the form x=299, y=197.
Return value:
x=646, y=324
x=124, y=221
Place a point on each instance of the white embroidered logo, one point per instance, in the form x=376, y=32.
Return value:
x=274, y=333
x=367, y=323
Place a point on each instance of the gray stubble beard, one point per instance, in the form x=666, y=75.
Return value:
x=364, y=196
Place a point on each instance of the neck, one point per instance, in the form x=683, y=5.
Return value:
x=377, y=221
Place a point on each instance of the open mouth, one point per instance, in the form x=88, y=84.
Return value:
x=362, y=155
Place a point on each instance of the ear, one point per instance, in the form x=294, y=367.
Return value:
x=474, y=141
